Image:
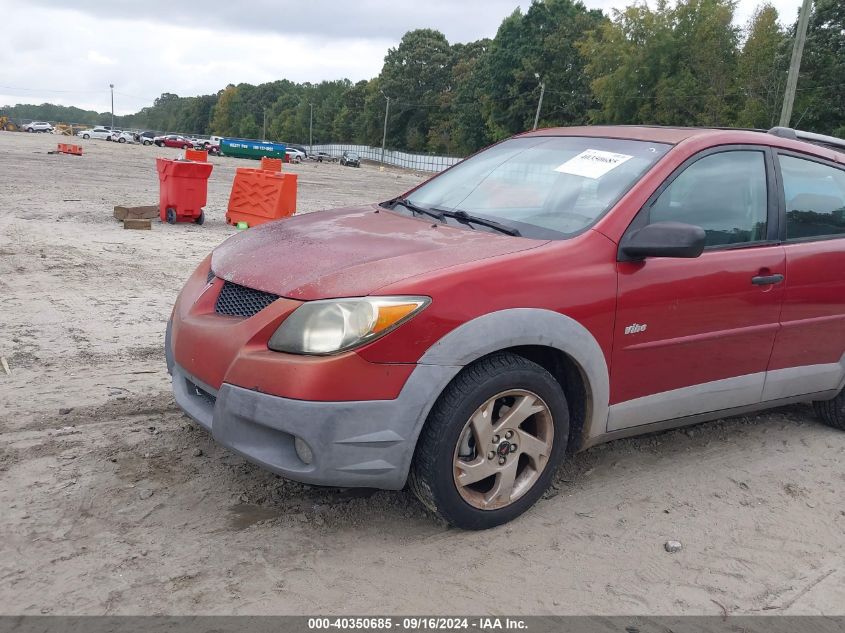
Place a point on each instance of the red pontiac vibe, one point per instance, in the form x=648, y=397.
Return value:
x=562, y=288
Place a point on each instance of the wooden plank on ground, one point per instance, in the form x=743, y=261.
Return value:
x=122, y=213
x=143, y=224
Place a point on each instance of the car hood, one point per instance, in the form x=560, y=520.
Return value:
x=350, y=252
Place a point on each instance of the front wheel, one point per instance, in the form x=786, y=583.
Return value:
x=121, y=140
x=147, y=143
x=491, y=443
x=86, y=136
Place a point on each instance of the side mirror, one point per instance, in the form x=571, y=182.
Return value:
x=664, y=239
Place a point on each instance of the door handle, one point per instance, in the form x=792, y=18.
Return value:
x=765, y=280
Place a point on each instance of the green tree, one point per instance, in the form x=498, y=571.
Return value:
x=820, y=101
x=761, y=70
x=415, y=74
x=541, y=45
x=667, y=65
x=248, y=127
x=225, y=116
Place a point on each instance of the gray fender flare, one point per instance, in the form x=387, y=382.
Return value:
x=530, y=326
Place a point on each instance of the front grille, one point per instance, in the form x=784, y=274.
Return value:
x=235, y=300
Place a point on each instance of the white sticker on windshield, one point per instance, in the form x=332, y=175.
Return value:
x=592, y=163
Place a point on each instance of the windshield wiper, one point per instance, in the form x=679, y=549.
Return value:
x=466, y=218
x=413, y=208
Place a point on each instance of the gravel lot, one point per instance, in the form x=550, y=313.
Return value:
x=113, y=502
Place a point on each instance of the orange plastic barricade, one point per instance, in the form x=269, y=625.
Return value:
x=66, y=148
x=271, y=164
x=260, y=196
x=199, y=155
x=183, y=190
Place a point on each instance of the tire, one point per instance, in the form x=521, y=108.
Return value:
x=30, y=130
x=86, y=136
x=483, y=389
x=170, y=214
x=121, y=140
x=148, y=142
x=201, y=219
x=832, y=412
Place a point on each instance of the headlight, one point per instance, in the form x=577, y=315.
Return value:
x=336, y=325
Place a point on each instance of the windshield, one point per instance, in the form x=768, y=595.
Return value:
x=545, y=186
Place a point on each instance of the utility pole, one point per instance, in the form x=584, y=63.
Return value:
x=384, y=135
x=795, y=64
x=540, y=102
x=264, y=126
x=311, y=129
x=111, y=86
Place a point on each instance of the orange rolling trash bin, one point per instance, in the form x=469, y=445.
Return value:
x=183, y=190
x=260, y=196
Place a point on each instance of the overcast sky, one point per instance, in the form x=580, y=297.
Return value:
x=69, y=51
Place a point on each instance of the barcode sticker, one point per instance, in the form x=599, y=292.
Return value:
x=592, y=163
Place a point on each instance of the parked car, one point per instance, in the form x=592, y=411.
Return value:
x=38, y=126
x=173, y=140
x=97, y=132
x=350, y=159
x=464, y=333
x=294, y=155
x=146, y=137
x=322, y=156
x=123, y=137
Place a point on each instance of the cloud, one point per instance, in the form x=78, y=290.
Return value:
x=70, y=55
x=460, y=20
x=98, y=58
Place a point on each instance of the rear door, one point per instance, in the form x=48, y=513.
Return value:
x=695, y=335
x=808, y=351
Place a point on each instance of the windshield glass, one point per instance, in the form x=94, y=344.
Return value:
x=545, y=186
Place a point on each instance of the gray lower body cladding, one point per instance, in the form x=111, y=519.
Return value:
x=366, y=443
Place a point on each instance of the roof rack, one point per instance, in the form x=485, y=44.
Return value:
x=811, y=137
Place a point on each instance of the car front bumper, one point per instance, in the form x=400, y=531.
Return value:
x=368, y=443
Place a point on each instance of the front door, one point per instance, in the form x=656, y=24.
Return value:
x=695, y=335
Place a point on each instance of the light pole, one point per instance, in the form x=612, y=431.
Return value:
x=311, y=128
x=111, y=87
x=264, y=127
x=795, y=64
x=384, y=135
x=540, y=102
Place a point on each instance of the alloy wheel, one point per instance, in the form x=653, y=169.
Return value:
x=503, y=449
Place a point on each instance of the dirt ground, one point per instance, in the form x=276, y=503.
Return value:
x=113, y=502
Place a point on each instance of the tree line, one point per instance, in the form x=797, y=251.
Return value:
x=685, y=63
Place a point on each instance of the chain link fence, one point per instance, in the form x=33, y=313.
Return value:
x=406, y=160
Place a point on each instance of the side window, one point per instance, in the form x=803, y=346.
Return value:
x=724, y=193
x=815, y=198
